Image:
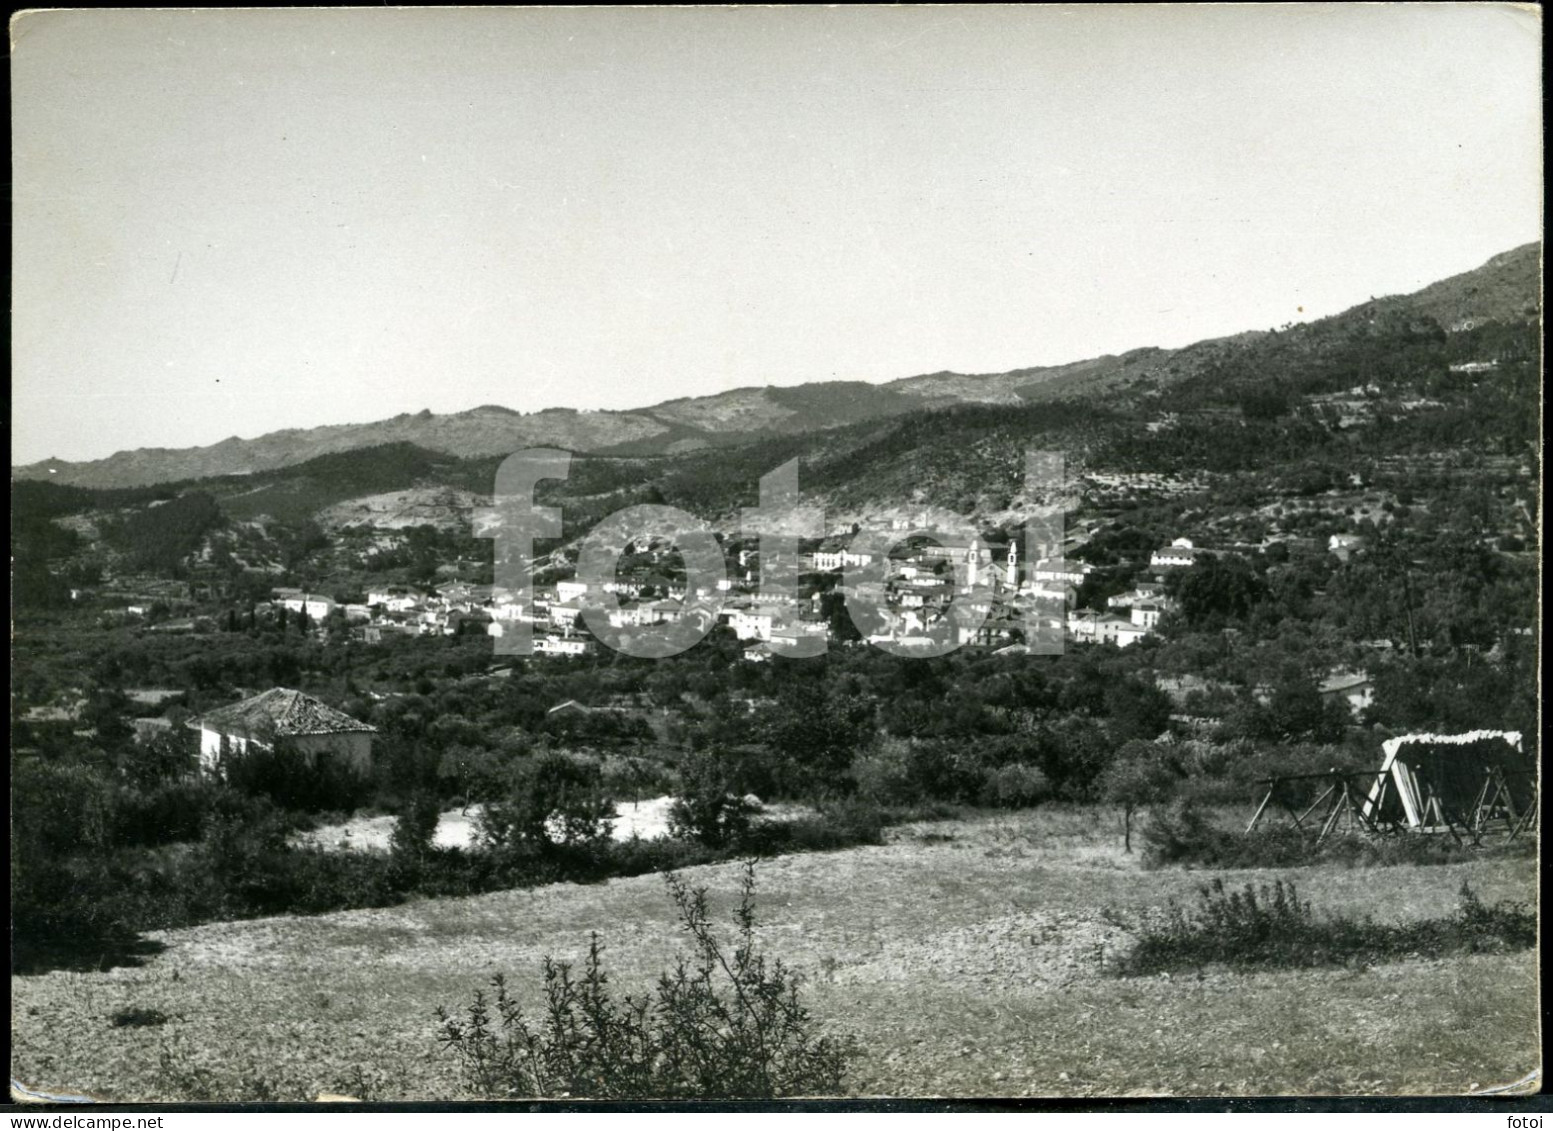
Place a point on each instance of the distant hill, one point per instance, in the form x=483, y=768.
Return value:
x=1506, y=288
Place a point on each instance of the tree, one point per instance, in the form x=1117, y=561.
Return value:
x=1136, y=710
x=415, y=829
x=552, y=799
x=474, y=771
x=1073, y=753
x=709, y=808
x=1215, y=589
x=164, y=758
x=817, y=732
x=1140, y=775
x=1296, y=710
x=833, y=608
x=106, y=711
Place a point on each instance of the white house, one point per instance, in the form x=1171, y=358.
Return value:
x=753, y=623
x=571, y=590
x=1104, y=628
x=311, y=728
x=1084, y=624
x=509, y=611
x=1061, y=570
x=1147, y=591
x=317, y=608
x=562, y=646
x=1054, y=592
x=1146, y=614
x=828, y=560
x=792, y=638
x=1179, y=554
x=394, y=598
x=630, y=615
x=666, y=610
x=1119, y=630
x=1355, y=689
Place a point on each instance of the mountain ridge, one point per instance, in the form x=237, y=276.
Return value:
x=1496, y=290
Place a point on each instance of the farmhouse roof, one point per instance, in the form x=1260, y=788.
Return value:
x=279, y=713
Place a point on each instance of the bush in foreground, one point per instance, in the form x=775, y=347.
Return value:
x=725, y=1024
x=1268, y=926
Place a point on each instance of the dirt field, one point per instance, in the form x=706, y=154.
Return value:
x=967, y=956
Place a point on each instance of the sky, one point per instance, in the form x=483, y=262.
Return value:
x=232, y=222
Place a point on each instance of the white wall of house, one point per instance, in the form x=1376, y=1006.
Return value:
x=561, y=646
x=354, y=748
x=750, y=625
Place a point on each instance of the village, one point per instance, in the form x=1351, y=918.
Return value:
x=923, y=586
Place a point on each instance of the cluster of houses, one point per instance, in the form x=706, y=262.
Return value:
x=398, y=609
x=964, y=591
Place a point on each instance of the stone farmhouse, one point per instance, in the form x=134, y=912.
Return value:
x=316, y=731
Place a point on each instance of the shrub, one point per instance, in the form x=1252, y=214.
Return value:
x=415, y=828
x=552, y=799
x=944, y=769
x=707, y=809
x=724, y=1024
x=1184, y=834
x=627, y=778
x=170, y=813
x=1016, y=786
x=70, y=910
x=285, y=777
x=838, y=825
x=1268, y=925
x=62, y=807
x=883, y=775
x=137, y=1016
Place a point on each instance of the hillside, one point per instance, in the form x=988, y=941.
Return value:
x=1506, y=288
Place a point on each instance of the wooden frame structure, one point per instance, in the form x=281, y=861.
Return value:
x=1340, y=807
x=1467, y=798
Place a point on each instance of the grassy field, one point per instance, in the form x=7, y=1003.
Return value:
x=970, y=958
